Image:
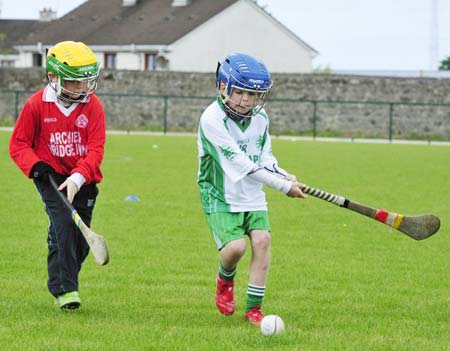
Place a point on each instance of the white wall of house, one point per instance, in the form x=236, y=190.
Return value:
x=8, y=60
x=244, y=28
x=124, y=60
x=128, y=57
x=24, y=59
x=129, y=60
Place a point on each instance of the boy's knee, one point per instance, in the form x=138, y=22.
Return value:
x=261, y=240
x=237, y=247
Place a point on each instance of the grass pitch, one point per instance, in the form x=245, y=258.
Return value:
x=339, y=280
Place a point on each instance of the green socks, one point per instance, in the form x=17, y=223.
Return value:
x=255, y=295
x=226, y=274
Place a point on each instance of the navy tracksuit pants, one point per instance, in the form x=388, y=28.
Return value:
x=67, y=248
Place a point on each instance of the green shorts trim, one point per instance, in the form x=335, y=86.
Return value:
x=229, y=226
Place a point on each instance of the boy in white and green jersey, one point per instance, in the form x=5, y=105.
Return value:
x=235, y=161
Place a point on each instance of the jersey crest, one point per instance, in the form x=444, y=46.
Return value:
x=81, y=121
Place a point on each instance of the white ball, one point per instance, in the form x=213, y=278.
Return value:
x=272, y=325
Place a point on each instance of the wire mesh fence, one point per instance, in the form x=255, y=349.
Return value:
x=343, y=118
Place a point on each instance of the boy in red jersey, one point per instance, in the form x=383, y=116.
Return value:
x=61, y=131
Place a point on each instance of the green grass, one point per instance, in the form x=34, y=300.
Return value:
x=339, y=280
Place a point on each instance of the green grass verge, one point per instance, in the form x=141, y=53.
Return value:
x=339, y=280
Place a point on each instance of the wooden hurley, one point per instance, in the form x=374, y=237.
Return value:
x=417, y=227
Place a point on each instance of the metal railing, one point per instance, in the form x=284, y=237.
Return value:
x=342, y=118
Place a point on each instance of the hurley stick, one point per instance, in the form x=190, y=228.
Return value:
x=416, y=227
x=96, y=242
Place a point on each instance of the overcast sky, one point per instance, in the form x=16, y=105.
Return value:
x=349, y=34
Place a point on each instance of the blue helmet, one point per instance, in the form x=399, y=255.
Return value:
x=243, y=72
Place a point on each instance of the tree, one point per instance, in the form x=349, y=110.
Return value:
x=3, y=49
x=2, y=40
x=445, y=65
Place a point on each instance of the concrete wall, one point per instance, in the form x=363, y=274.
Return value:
x=127, y=107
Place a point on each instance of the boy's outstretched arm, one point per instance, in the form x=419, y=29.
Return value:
x=289, y=187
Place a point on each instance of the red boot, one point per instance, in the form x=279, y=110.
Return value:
x=225, y=296
x=255, y=315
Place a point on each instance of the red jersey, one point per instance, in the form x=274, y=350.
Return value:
x=70, y=139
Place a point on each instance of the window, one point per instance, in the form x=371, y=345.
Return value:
x=6, y=63
x=37, y=60
x=150, y=62
x=110, y=61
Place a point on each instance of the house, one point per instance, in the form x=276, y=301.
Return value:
x=175, y=35
x=11, y=31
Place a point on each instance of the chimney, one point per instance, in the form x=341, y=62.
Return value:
x=181, y=3
x=47, y=15
x=129, y=3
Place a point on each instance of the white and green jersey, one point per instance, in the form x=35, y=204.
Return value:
x=228, y=151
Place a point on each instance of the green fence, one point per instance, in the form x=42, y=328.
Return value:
x=351, y=119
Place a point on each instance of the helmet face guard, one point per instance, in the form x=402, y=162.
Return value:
x=76, y=69
x=258, y=98
x=244, y=75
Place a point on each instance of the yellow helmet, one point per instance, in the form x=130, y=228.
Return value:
x=74, y=62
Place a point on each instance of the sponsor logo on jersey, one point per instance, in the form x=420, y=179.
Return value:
x=50, y=119
x=67, y=144
x=81, y=121
x=254, y=158
x=243, y=141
